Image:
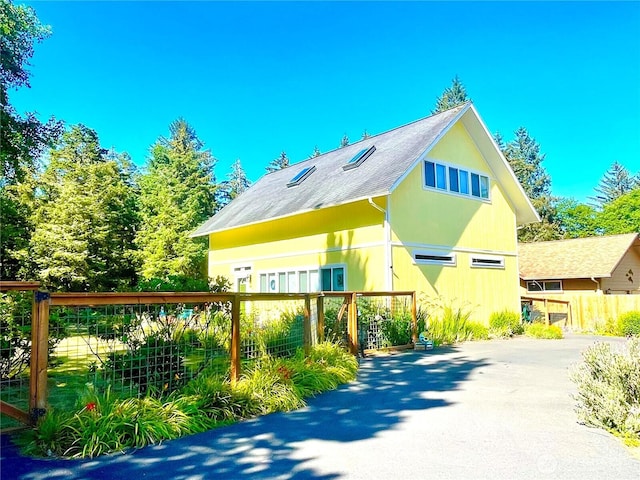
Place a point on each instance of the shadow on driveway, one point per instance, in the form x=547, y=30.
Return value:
x=277, y=445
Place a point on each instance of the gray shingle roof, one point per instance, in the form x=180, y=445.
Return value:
x=576, y=258
x=329, y=185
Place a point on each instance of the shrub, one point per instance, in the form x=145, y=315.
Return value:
x=106, y=423
x=505, y=324
x=610, y=328
x=629, y=323
x=477, y=331
x=450, y=327
x=540, y=330
x=608, y=384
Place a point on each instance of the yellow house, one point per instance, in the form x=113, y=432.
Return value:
x=430, y=206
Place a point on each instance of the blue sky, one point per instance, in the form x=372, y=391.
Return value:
x=254, y=79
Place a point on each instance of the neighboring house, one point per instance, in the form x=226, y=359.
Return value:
x=609, y=265
x=431, y=206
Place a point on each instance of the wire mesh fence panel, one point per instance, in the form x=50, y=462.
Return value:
x=384, y=321
x=135, y=349
x=335, y=320
x=267, y=328
x=15, y=351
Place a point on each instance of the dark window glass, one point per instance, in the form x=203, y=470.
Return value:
x=475, y=185
x=430, y=174
x=453, y=179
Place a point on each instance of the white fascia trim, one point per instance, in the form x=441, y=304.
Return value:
x=435, y=141
x=446, y=249
x=303, y=252
x=503, y=159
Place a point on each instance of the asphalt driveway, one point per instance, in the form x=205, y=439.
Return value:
x=482, y=410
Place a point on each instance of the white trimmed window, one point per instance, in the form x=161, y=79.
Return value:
x=452, y=179
x=544, y=285
x=487, y=261
x=434, y=258
x=303, y=281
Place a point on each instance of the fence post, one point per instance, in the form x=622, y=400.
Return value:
x=352, y=324
x=235, y=339
x=320, y=308
x=546, y=312
x=414, y=319
x=39, y=355
x=307, y=325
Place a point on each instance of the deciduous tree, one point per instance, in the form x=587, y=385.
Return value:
x=22, y=138
x=622, y=215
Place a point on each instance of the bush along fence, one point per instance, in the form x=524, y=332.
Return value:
x=55, y=346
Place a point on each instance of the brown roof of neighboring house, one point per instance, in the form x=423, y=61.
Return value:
x=576, y=258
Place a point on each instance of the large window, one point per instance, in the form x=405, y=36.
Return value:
x=455, y=180
x=303, y=281
x=544, y=286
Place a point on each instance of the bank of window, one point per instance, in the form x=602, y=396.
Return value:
x=455, y=180
x=303, y=281
x=544, y=286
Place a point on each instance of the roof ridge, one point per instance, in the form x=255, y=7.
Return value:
x=458, y=107
x=593, y=237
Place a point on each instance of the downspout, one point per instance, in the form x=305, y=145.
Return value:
x=597, y=283
x=387, y=250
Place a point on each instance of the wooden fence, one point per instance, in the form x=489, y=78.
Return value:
x=583, y=312
x=42, y=301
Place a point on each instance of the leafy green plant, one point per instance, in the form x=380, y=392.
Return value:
x=629, y=323
x=104, y=422
x=15, y=333
x=608, y=384
x=450, y=327
x=608, y=328
x=505, y=324
x=477, y=331
x=540, y=330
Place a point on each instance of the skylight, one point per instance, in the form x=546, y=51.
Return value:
x=359, y=158
x=301, y=176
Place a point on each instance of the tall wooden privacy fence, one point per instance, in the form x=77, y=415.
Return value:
x=582, y=312
x=154, y=343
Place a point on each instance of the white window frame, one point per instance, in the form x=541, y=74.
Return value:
x=289, y=272
x=543, y=285
x=447, y=180
x=448, y=259
x=333, y=267
x=486, y=261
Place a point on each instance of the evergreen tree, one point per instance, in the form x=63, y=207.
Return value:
x=452, y=96
x=344, y=142
x=315, y=153
x=85, y=217
x=365, y=134
x=177, y=194
x=616, y=182
x=236, y=183
x=22, y=139
x=523, y=154
x=277, y=164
